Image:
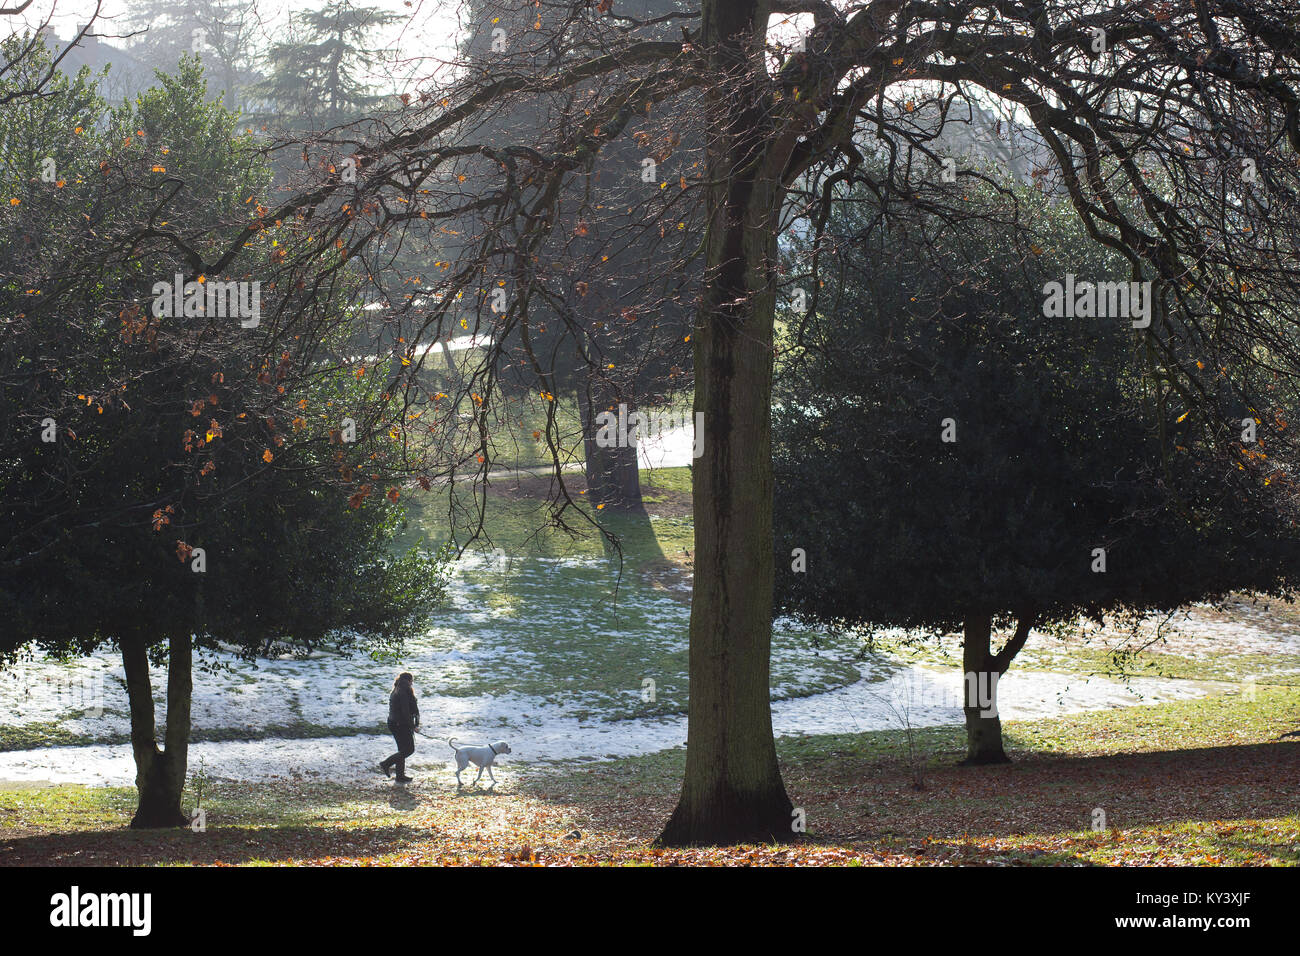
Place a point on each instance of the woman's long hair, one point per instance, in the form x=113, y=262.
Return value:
x=405, y=678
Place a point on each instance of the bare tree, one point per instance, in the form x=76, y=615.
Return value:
x=224, y=31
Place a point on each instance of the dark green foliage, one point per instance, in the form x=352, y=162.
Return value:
x=1059, y=448
x=172, y=433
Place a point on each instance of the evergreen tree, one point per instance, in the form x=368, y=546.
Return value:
x=948, y=457
x=317, y=75
x=162, y=487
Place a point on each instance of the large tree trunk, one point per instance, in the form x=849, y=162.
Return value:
x=159, y=774
x=983, y=732
x=982, y=671
x=732, y=791
x=620, y=478
x=613, y=473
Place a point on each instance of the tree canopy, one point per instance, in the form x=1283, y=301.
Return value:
x=163, y=487
x=948, y=456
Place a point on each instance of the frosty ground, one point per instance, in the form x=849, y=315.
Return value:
x=553, y=655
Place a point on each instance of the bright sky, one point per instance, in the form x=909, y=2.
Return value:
x=428, y=29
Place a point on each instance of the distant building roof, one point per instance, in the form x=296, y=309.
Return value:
x=128, y=76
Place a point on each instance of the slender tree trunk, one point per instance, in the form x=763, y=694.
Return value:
x=982, y=671
x=159, y=774
x=732, y=790
x=613, y=473
x=591, y=451
x=229, y=97
x=453, y=370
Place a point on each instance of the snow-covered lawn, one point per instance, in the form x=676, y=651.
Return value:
x=538, y=733
x=548, y=654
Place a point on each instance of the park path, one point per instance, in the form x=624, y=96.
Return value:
x=926, y=696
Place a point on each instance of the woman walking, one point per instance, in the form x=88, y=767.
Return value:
x=403, y=722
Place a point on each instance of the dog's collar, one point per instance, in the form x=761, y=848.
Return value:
x=493, y=749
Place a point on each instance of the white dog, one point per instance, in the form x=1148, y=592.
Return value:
x=483, y=756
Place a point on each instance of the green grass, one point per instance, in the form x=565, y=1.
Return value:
x=1225, y=720
x=1207, y=781
x=608, y=652
x=517, y=520
x=38, y=734
x=1046, y=653
x=515, y=419
x=514, y=447
x=1195, y=843
x=1201, y=782
x=1280, y=669
x=43, y=807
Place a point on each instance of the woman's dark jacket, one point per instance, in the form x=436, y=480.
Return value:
x=403, y=712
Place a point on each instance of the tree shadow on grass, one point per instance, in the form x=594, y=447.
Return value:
x=1193, y=804
x=287, y=823
x=1229, y=845
x=402, y=799
x=1042, y=794
x=220, y=844
x=470, y=792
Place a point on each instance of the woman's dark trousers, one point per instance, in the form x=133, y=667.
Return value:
x=405, y=747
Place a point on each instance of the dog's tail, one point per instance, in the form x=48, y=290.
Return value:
x=451, y=742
